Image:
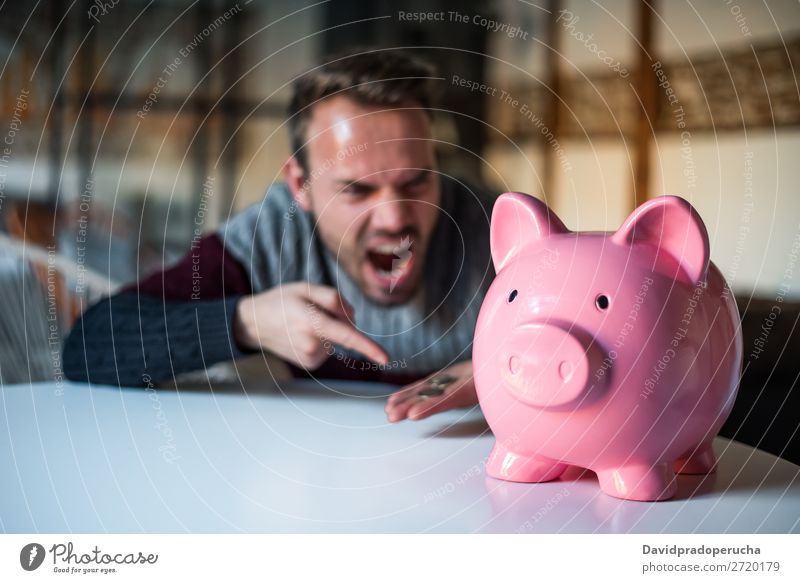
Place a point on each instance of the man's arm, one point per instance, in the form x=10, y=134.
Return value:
x=174, y=321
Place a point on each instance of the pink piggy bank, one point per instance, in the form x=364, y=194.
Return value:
x=617, y=352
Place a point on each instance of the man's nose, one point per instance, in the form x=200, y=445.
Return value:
x=392, y=212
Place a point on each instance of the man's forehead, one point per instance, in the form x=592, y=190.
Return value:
x=377, y=145
x=342, y=121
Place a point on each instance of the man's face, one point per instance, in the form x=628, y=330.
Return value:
x=372, y=186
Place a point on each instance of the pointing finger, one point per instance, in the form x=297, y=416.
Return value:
x=346, y=335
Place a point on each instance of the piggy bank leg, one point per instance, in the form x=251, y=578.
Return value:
x=505, y=464
x=700, y=461
x=639, y=482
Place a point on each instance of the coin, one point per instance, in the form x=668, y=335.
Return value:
x=442, y=380
x=429, y=392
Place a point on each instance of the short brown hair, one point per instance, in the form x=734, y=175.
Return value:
x=369, y=76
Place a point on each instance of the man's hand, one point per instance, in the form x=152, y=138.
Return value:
x=408, y=404
x=300, y=322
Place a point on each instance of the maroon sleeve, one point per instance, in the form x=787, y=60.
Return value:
x=206, y=272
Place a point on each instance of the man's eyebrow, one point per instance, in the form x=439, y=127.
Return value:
x=418, y=177
x=344, y=182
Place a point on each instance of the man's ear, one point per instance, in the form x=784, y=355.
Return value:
x=295, y=178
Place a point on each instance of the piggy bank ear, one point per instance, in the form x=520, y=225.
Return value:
x=518, y=221
x=675, y=230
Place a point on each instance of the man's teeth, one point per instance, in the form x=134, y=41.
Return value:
x=396, y=270
x=388, y=248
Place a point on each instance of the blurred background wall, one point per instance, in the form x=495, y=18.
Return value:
x=126, y=124
x=136, y=105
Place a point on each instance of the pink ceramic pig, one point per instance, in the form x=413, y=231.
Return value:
x=618, y=352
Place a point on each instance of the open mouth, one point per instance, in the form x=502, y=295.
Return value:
x=391, y=262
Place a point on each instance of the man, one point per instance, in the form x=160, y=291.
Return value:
x=368, y=263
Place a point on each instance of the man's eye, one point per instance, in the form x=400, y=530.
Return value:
x=356, y=191
x=418, y=185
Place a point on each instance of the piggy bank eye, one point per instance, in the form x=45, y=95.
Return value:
x=512, y=296
x=601, y=302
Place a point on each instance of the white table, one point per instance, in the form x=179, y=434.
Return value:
x=321, y=459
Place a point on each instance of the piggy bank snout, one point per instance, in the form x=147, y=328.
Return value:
x=550, y=366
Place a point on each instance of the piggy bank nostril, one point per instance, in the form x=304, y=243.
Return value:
x=513, y=364
x=565, y=370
